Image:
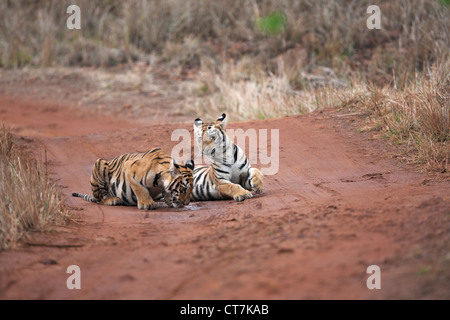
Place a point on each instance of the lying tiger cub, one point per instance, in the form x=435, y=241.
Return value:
x=230, y=175
x=138, y=178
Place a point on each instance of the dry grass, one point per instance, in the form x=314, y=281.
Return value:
x=248, y=91
x=332, y=33
x=416, y=113
x=245, y=91
x=29, y=201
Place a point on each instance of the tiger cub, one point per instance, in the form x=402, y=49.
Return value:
x=139, y=178
x=230, y=175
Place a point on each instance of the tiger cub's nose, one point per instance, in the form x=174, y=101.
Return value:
x=211, y=134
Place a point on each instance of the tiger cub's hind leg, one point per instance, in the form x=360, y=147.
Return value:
x=112, y=201
x=100, y=184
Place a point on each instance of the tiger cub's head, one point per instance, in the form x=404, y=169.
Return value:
x=210, y=135
x=178, y=191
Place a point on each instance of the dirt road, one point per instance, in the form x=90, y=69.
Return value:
x=339, y=203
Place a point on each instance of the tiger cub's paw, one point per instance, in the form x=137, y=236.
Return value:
x=256, y=180
x=242, y=196
x=113, y=201
x=146, y=205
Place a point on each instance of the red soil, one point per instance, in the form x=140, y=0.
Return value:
x=339, y=203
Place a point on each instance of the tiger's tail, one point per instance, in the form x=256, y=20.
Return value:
x=86, y=197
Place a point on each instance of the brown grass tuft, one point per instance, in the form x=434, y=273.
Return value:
x=29, y=201
x=417, y=114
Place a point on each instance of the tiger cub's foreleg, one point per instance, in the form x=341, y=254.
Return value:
x=134, y=169
x=255, y=180
x=100, y=184
x=232, y=190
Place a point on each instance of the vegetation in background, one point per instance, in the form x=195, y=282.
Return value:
x=29, y=201
x=273, y=23
x=415, y=113
x=332, y=33
x=260, y=59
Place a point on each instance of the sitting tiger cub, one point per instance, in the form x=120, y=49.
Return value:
x=139, y=178
x=230, y=175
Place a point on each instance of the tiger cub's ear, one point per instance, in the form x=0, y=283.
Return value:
x=222, y=120
x=198, y=131
x=190, y=164
x=197, y=123
x=174, y=168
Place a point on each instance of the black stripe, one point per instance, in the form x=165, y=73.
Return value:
x=152, y=150
x=133, y=196
x=208, y=192
x=126, y=201
x=207, y=182
x=124, y=196
x=175, y=182
x=114, y=165
x=198, y=169
x=124, y=189
x=235, y=153
x=134, y=162
x=157, y=177
x=221, y=171
x=243, y=165
x=202, y=194
x=199, y=176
